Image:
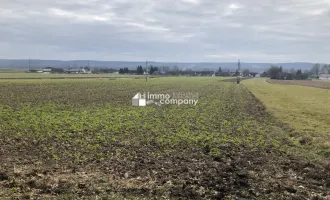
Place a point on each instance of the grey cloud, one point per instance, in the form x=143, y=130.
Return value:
x=169, y=30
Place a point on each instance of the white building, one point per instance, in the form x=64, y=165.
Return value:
x=47, y=70
x=324, y=77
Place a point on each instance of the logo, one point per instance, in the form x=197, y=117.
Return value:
x=177, y=98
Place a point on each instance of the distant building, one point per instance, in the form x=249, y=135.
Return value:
x=47, y=69
x=77, y=71
x=324, y=77
x=257, y=76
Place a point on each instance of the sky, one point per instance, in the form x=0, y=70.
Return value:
x=166, y=30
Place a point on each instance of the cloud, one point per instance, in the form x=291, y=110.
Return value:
x=231, y=9
x=148, y=27
x=78, y=16
x=169, y=30
x=195, y=2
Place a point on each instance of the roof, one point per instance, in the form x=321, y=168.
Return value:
x=325, y=76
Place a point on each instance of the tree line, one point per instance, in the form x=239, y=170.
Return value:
x=277, y=72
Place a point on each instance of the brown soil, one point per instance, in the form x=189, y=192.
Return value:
x=309, y=83
x=185, y=173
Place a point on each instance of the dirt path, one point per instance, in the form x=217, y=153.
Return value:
x=234, y=79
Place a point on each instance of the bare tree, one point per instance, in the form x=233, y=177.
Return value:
x=316, y=69
x=292, y=71
x=325, y=69
x=246, y=72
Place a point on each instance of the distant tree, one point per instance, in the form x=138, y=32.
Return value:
x=316, y=69
x=325, y=69
x=236, y=73
x=121, y=71
x=96, y=71
x=57, y=70
x=139, y=70
x=125, y=70
x=298, y=73
x=153, y=69
x=264, y=74
x=286, y=76
x=175, y=68
x=274, y=72
x=220, y=70
x=246, y=72
x=292, y=71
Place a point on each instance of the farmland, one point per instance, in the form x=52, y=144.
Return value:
x=22, y=75
x=310, y=83
x=83, y=139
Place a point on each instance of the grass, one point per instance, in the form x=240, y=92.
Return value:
x=304, y=109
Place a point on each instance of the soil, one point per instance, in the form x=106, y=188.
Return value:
x=185, y=173
x=235, y=79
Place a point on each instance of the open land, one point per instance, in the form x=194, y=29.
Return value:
x=21, y=75
x=310, y=83
x=82, y=139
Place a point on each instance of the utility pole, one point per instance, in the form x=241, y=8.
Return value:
x=238, y=72
x=146, y=70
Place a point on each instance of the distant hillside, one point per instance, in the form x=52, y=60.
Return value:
x=258, y=67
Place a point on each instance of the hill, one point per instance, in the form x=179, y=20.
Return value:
x=34, y=63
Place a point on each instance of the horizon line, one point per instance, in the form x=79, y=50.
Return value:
x=156, y=61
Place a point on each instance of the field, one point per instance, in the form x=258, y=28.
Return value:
x=303, y=109
x=310, y=83
x=22, y=75
x=82, y=139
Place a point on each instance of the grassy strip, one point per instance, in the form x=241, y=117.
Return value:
x=304, y=109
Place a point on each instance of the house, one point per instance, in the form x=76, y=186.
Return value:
x=77, y=71
x=324, y=77
x=47, y=69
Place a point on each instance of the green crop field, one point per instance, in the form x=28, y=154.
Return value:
x=83, y=139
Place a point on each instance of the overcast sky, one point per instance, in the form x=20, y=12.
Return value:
x=166, y=30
